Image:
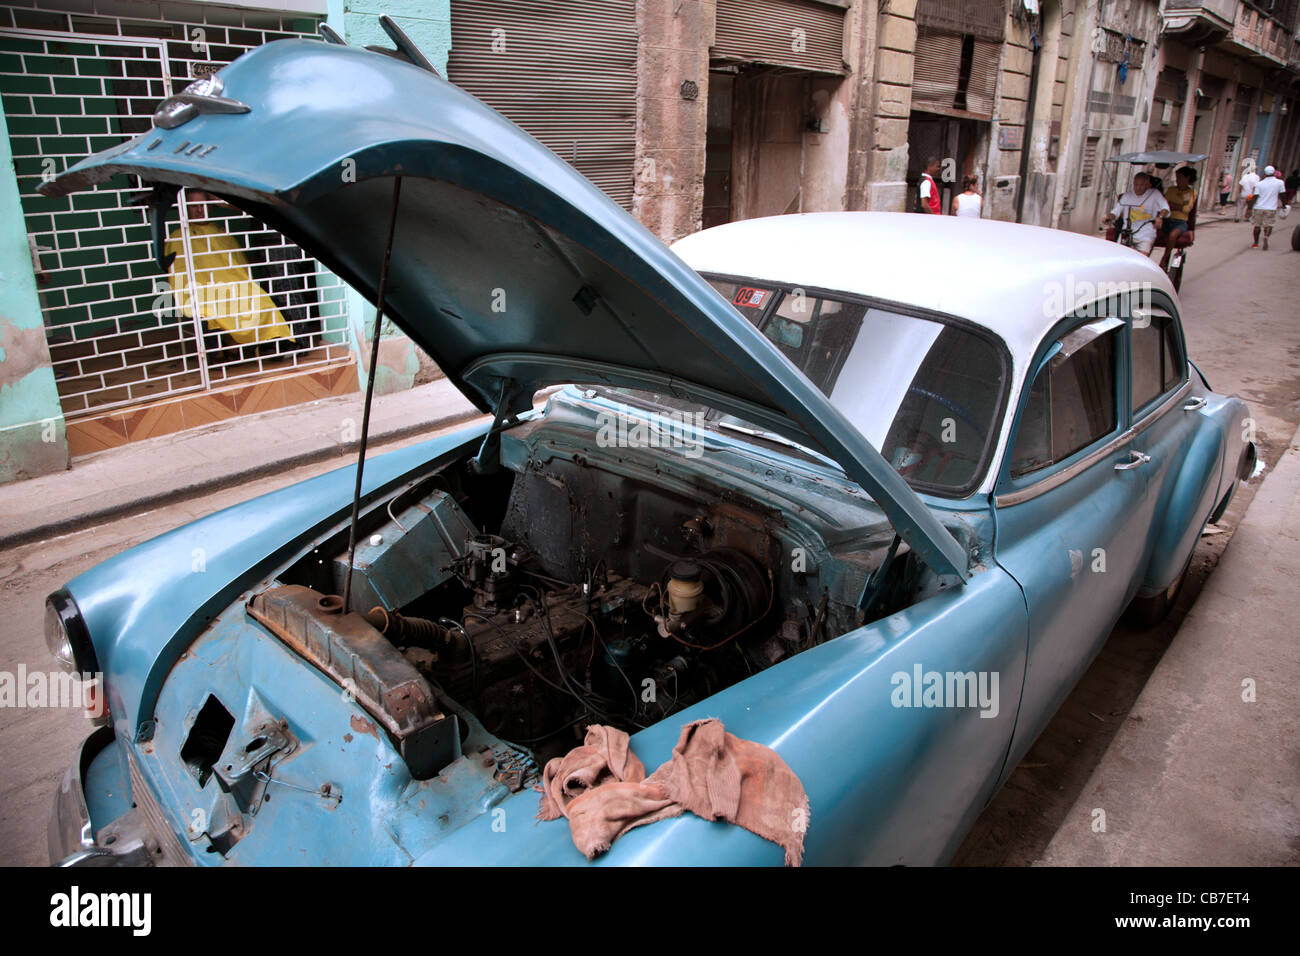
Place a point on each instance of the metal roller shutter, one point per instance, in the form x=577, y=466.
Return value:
x=564, y=70
x=985, y=19
x=936, y=74
x=936, y=70
x=804, y=34
x=983, y=77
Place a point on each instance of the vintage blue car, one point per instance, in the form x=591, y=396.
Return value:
x=872, y=489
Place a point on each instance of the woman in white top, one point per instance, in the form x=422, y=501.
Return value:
x=967, y=202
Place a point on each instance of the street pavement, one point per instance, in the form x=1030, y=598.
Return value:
x=1206, y=769
x=1241, y=324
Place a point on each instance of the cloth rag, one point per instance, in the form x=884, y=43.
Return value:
x=602, y=789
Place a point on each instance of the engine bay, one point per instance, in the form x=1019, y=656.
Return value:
x=570, y=586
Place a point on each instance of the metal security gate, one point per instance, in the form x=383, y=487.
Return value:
x=803, y=34
x=239, y=302
x=564, y=70
x=954, y=74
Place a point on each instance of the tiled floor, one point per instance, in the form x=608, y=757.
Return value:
x=111, y=429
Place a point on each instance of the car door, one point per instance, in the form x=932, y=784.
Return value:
x=1182, y=474
x=1068, y=501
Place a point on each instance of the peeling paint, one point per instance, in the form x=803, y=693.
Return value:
x=363, y=726
x=22, y=351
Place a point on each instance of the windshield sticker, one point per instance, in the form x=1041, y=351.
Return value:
x=750, y=298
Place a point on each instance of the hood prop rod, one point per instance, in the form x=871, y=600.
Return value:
x=370, y=394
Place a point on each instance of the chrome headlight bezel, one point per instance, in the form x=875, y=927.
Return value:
x=66, y=635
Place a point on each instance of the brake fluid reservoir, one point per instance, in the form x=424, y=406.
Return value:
x=684, y=587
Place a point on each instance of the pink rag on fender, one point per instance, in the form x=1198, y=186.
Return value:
x=601, y=787
x=605, y=755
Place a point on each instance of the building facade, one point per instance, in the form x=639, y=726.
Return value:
x=1228, y=86
x=688, y=113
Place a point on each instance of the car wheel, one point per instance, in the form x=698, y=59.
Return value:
x=1150, y=611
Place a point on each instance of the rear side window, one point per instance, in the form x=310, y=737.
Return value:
x=1072, y=400
x=1158, y=362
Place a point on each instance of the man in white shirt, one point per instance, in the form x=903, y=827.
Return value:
x=1140, y=211
x=1267, y=191
x=1247, y=184
x=928, y=199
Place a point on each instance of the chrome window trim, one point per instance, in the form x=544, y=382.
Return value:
x=1173, y=398
x=1059, y=478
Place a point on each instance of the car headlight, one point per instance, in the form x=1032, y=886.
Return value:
x=66, y=635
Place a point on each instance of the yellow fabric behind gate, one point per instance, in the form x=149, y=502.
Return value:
x=228, y=298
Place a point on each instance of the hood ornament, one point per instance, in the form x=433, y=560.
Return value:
x=201, y=96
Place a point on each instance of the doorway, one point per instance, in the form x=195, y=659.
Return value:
x=956, y=141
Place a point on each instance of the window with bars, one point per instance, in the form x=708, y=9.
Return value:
x=1089, y=171
x=239, y=301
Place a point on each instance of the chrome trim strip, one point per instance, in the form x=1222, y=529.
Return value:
x=1150, y=417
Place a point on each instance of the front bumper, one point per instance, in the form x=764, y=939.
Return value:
x=136, y=837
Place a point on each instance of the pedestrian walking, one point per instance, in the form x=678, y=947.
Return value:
x=928, y=200
x=1267, y=192
x=1225, y=187
x=968, y=202
x=1247, y=182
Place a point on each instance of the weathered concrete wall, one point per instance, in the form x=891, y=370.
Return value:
x=32, y=439
x=672, y=99
x=886, y=188
x=428, y=24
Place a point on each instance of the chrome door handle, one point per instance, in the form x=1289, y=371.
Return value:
x=1136, y=460
x=1195, y=404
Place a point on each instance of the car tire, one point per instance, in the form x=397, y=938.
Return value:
x=1150, y=611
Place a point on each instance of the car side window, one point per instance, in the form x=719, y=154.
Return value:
x=1157, y=360
x=1071, y=402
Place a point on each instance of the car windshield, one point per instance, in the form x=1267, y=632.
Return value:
x=924, y=393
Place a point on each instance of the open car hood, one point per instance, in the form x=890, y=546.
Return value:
x=508, y=267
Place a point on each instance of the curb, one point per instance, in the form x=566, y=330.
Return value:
x=221, y=482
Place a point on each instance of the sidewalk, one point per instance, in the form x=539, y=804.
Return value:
x=186, y=464
x=1199, y=776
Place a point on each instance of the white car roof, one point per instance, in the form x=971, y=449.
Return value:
x=1006, y=277
x=1014, y=280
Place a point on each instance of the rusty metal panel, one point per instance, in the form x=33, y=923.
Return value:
x=804, y=34
x=363, y=662
x=564, y=70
